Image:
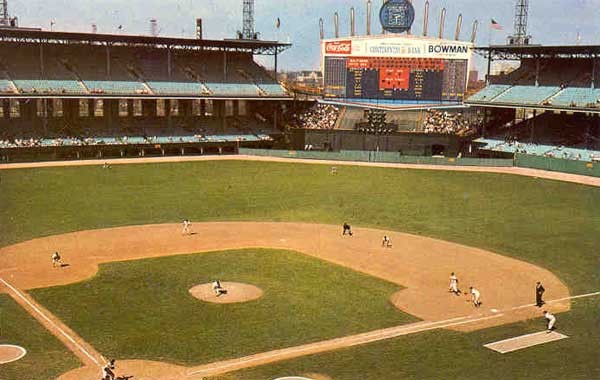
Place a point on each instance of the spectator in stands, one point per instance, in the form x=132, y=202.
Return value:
x=322, y=116
x=446, y=123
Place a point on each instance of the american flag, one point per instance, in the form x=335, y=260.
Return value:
x=495, y=25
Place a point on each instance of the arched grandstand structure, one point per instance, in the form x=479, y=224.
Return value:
x=59, y=90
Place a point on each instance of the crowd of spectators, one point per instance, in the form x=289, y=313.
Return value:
x=446, y=123
x=321, y=116
x=125, y=140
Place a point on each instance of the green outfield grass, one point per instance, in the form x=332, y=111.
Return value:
x=451, y=355
x=553, y=224
x=46, y=356
x=142, y=309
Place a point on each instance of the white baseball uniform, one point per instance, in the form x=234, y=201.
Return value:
x=476, y=295
x=551, y=320
x=454, y=283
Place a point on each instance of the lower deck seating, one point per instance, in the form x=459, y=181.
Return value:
x=115, y=87
x=273, y=89
x=489, y=93
x=233, y=89
x=32, y=86
x=526, y=94
x=577, y=97
x=177, y=88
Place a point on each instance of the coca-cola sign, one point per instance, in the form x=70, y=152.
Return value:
x=338, y=47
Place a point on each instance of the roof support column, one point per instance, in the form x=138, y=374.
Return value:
x=107, y=61
x=169, y=64
x=42, y=60
x=537, y=70
x=594, y=64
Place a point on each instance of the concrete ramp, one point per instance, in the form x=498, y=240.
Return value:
x=524, y=341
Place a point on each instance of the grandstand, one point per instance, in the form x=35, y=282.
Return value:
x=60, y=89
x=549, y=106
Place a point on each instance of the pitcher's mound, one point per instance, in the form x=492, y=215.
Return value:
x=235, y=292
x=10, y=353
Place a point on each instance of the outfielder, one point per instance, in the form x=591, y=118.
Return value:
x=551, y=320
x=475, y=296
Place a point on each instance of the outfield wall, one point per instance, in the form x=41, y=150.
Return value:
x=372, y=156
x=521, y=160
x=558, y=165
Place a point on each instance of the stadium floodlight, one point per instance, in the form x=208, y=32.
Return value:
x=4, y=20
x=248, y=32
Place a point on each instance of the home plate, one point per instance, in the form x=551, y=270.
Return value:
x=524, y=341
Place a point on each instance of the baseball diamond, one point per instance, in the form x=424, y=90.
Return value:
x=304, y=273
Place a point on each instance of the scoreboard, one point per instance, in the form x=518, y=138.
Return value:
x=396, y=67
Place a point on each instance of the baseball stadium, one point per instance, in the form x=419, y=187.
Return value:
x=172, y=208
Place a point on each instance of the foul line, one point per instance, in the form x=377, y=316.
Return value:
x=51, y=322
x=363, y=338
x=342, y=342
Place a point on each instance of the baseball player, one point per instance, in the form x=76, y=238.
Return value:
x=347, y=229
x=187, y=227
x=551, y=320
x=334, y=170
x=218, y=289
x=454, y=284
x=56, y=260
x=386, y=242
x=539, y=292
x=108, y=370
x=475, y=296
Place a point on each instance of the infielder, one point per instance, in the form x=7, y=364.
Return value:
x=454, y=284
x=475, y=296
x=187, y=227
x=108, y=370
x=56, y=260
x=386, y=242
x=551, y=320
x=347, y=229
x=218, y=289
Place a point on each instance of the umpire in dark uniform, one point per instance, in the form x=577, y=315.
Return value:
x=539, y=292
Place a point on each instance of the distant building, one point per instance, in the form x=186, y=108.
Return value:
x=305, y=78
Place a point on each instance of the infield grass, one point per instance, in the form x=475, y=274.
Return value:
x=46, y=356
x=142, y=309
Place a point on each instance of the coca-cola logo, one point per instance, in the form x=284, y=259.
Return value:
x=338, y=47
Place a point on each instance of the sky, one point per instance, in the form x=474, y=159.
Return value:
x=551, y=22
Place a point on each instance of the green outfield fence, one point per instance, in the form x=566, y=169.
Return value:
x=388, y=157
x=521, y=160
x=558, y=165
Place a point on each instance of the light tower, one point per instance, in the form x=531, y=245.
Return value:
x=520, y=36
x=248, y=21
x=4, y=20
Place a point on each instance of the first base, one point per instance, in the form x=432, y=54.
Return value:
x=524, y=341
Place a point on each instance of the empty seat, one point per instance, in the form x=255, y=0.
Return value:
x=526, y=94
x=489, y=93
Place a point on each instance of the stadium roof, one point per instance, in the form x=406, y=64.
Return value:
x=43, y=36
x=518, y=52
